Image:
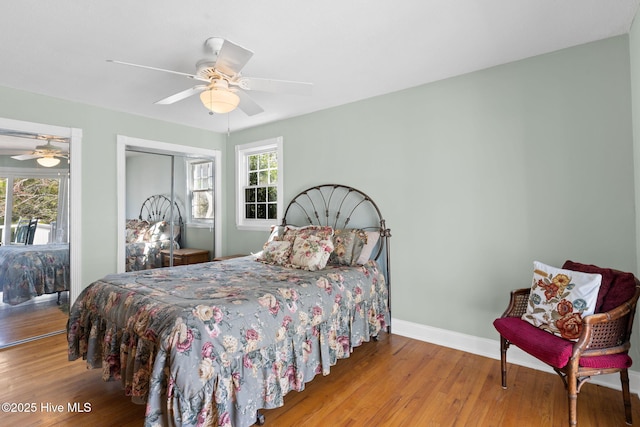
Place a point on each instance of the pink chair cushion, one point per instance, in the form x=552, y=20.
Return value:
x=549, y=348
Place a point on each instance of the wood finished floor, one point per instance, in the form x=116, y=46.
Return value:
x=396, y=381
x=40, y=316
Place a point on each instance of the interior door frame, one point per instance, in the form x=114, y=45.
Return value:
x=125, y=143
x=75, y=191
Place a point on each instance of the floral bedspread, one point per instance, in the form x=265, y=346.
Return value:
x=145, y=255
x=210, y=344
x=27, y=271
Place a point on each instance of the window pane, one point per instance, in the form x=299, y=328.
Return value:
x=263, y=180
x=273, y=176
x=35, y=198
x=253, y=163
x=273, y=194
x=262, y=194
x=253, y=178
x=250, y=195
x=250, y=211
x=273, y=211
x=264, y=161
x=273, y=160
x=261, y=212
x=202, y=205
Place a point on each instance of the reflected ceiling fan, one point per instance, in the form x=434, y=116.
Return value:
x=224, y=86
x=47, y=155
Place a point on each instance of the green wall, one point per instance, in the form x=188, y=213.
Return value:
x=478, y=176
x=100, y=128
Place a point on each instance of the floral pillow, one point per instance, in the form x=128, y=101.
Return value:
x=560, y=299
x=136, y=230
x=275, y=252
x=347, y=246
x=311, y=252
x=291, y=232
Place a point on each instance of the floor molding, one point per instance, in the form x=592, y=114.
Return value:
x=491, y=348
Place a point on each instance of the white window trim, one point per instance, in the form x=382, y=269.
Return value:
x=242, y=151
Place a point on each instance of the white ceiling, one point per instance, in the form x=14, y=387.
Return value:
x=349, y=49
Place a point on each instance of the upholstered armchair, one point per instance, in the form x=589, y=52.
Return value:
x=601, y=343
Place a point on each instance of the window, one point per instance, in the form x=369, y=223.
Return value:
x=200, y=181
x=259, y=184
x=29, y=194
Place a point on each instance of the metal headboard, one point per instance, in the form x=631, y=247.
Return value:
x=159, y=208
x=341, y=206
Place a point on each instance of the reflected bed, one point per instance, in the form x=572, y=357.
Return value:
x=28, y=271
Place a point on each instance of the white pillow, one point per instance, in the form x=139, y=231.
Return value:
x=560, y=299
x=367, y=249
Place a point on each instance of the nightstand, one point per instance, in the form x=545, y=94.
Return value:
x=185, y=256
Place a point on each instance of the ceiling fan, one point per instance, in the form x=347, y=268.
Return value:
x=47, y=155
x=224, y=87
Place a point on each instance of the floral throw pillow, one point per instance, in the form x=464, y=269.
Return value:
x=560, y=299
x=136, y=230
x=291, y=232
x=347, y=246
x=311, y=252
x=275, y=252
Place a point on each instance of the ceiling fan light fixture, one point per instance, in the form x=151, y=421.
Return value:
x=219, y=101
x=48, y=161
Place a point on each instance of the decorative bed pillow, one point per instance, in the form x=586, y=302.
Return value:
x=311, y=252
x=560, y=298
x=367, y=249
x=321, y=231
x=136, y=230
x=277, y=233
x=275, y=252
x=347, y=246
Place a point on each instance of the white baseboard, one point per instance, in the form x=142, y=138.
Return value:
x=491, y=348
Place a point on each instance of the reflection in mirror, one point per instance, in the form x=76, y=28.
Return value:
x=190, y=177
x=34, y=237
x=169, y=208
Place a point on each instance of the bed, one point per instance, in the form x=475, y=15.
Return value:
x=213, y=343
x=28, y=271
x=157, y=228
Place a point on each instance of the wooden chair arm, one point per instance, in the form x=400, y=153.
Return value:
x=607, y=333
x=517, y=303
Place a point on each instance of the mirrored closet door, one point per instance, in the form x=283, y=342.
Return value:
x=167, y=204
x=35, y=260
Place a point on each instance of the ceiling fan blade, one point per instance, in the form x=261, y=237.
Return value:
x=26, y=156
x=232, y=58
x=146, y=67
x=276, y=86
x=181, y=95
x=248, y=105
